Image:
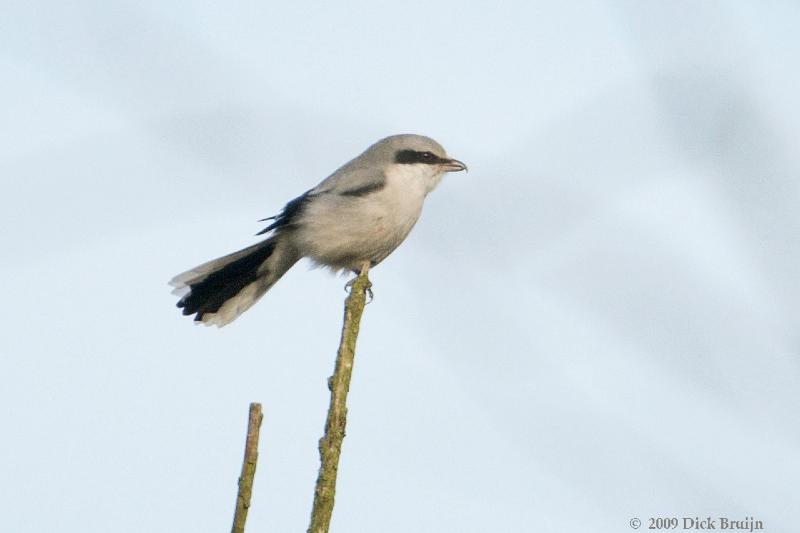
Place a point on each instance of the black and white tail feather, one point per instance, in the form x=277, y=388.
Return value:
x=220, y=290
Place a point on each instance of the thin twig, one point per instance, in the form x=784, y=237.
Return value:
x=330, y=445
x=248, y=469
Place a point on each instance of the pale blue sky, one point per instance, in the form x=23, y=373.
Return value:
x=599, y=322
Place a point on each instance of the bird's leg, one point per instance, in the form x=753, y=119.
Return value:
x=349, y=285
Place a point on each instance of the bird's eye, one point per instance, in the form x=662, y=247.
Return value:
x=409, y=157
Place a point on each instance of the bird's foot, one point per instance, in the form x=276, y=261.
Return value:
x=349, y=285
x=370, y=294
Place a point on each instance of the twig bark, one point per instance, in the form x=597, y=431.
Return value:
x=248, y=469
x=330, y=445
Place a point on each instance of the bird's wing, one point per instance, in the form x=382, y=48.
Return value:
x=352, y=179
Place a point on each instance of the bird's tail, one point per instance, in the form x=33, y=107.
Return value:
x=219, y=291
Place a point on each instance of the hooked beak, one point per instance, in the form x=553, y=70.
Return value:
x=453, y=165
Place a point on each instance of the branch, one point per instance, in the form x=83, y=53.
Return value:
x=248, y=469
x=330, y=445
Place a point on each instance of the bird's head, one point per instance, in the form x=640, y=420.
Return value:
x=415, y=156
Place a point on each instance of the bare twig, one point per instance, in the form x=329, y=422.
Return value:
x=248, y=469
x=330, y=445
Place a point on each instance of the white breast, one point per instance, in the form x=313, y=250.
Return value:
x=345, y=231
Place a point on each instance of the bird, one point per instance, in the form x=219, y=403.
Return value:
x=352, y=221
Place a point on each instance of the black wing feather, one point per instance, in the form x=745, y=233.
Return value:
x=289, y=215
x=364, y=190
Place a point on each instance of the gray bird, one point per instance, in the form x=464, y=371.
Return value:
x=352, y=220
